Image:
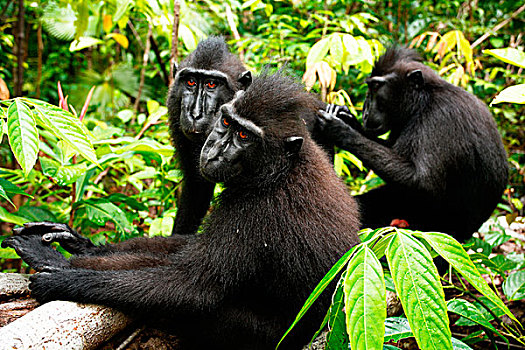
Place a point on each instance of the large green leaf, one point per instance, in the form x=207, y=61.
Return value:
x=514, y=285
x=452, y=251
x=469, y=311
x=365, y=300
x=318, y=52
x=59, y=21
x=23, y=134
x=417, y=283
x=512, y=94
x=337, y=338
x=11, y=218
x=508, y=55
x=64, y=126
x=334, y=271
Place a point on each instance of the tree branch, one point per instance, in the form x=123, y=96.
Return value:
x=498, y=26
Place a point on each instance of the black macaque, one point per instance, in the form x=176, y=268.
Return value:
x=444, y=163
x=205, y=80
x=282, y=221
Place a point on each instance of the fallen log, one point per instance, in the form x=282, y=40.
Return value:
x=55, y=325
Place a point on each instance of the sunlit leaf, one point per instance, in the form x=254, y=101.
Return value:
x=119, y=38
x=64, y=126
x=452, y=251
x=508, y=55
x=512, y=94
x=417, y=283
x=317, y=52
x=365, y=300
x=59, y=21
x=122, y=9
x=84, y=42
x=62, y=174
x=188, y=38
x=146, y=145
x=23, y=134
x=336, y=49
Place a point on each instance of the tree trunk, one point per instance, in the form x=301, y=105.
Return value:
x=39, y=68
x=144, y=64
x=20, y=35
x=174, y=37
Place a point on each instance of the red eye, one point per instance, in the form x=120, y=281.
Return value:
x=243, y=135
x=211, y=84
x=225, y=122
x=191, y=82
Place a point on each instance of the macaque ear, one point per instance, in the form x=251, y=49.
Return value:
x=175, y=68
x=293, y=144
x=415, y=79
x=245, y=78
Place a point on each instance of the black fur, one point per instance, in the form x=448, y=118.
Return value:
x=444, y=164
x=278, y=228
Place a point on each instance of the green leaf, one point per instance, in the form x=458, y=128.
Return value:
x=336, y=49
x=452, y=251
x=131, y=202
x=62, y=174
x=514, y=285
x=397, y=328
x=417, y=283
x=122, y=7
x=147, y=145
x=101, y=211
x=508, y=55
x=512, y=94
x=365, y=300
x=337, y=338
x=64, y=126
x=23, y=134
x=59, y=21
x=334, y=271
x=84, y=42
x=37, y=213
x=469, y=311
x=11, y=218
x=318, y=52
x=459, y=345
x=8, y=189
x=4, y=195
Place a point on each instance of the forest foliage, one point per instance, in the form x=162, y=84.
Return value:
x=85, y=138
